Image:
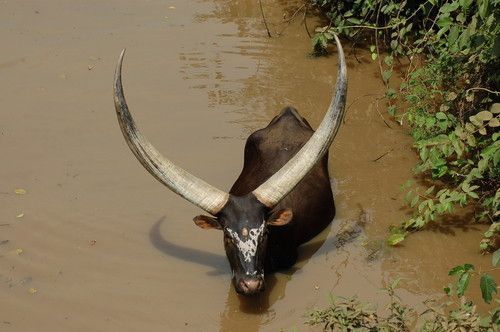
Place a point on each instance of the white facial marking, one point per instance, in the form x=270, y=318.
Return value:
x=248, y=247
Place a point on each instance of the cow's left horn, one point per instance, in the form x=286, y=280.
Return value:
x=282, y=182
x=175, y=178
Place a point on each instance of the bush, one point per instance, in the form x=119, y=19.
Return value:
x=450, y=99
x=350, y=314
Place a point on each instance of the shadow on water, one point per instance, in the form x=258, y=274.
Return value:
x=218, y=262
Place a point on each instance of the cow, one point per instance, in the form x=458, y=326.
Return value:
x=282, y=197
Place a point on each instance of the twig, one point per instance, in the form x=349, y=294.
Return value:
x=353, y=51
x=305, y=22
x=383, y=119
x=424, y=197
x=295, y=13
x=378, y=51
x=290, y=19
x=382, y=156
x=264, y=19
x=359, y=97
x=355, y=100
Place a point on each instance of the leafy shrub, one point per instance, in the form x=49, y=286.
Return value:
x=350, y=314
x=449, y=97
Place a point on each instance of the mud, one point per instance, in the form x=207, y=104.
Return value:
x=102, y=246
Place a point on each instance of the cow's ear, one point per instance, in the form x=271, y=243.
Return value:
x=207, y=222
x=280, y=217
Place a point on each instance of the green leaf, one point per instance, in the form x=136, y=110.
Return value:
x=488, y=287
x=429, y=190
x=374, y=56
x=449, y=7
x=495, y=259
x=465, y=4
x=444, y=22
x=483, y=8
x=396, y=238
x=463, y=284
x=484, y=116
x=388, y=60
x=391, y=110
x=473, y=195
x=441, y=116
x=386, y=75
x=468, y=267
x=414, y=201
x=394, y=44
x=494, y=123
x=451, y=96
x=459, y=269
x=354, y=20
x=464, y=39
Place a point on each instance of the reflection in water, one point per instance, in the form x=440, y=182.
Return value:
x=250, y=313
x=253, y=313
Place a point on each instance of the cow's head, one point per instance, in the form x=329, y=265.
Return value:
x=243, y=220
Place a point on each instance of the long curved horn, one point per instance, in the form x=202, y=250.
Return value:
x=175, y=178
x=282, y=182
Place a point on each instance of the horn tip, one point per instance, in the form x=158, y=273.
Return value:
x=122, y=53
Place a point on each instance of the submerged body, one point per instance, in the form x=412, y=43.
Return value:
x=266, y=151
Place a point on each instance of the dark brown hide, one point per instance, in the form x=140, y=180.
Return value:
x=266, y=151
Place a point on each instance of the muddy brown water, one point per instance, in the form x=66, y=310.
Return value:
x=107, y=248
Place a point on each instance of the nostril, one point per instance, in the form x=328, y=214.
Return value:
x=243, y=285
x=249, y=286
x=252, y=284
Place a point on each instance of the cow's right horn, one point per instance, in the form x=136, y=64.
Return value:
x=175, y=178
x=282, y=182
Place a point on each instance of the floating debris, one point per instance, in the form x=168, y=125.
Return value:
x=20, y=191
x=32, y=290
x=20, y=215
x=19, y=251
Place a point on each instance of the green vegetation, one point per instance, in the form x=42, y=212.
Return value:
x=447, y=56
x=448, y=97
x=350, y=314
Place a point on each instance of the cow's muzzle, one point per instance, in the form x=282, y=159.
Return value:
x=249, y=286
